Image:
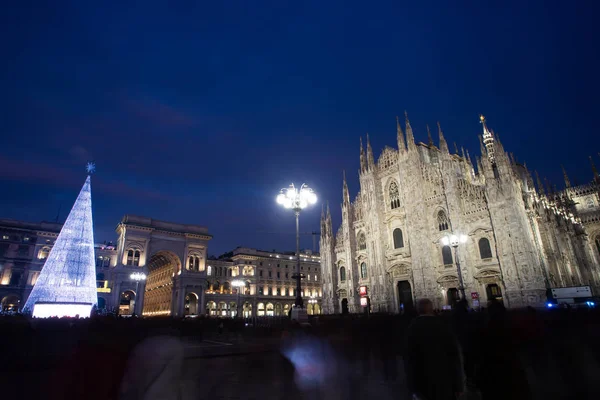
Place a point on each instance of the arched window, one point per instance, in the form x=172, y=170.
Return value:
x=398, y=239
x=343, y=272
x=442, y=220
x=44, y=252
x=394, y=196
x=133, y=257
x=194, y=263
x=485, y=251
x=362, y=242
x=447, y=255
x=209, y=270
x=363, y=271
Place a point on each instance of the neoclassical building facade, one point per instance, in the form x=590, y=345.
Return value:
x=520, y=238
x=181, y=280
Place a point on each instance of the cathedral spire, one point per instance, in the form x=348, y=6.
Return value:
x=594, y=170
x=488, y=140
x=363, y=165
x=567, y=181
x=462, y=152
x=429, y=139
x=345, y=193
x=443, y=144
x=410, y=138
x=370, y=159
x=455, y=148
x=400, y=136
x=539, y=184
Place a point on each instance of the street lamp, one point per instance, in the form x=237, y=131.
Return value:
x=239, y=284
x=297, y=200
x=137, y=277
x=454, y=240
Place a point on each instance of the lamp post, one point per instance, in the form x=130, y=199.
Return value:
x=137, y=277
x=297, y=200
x=239, y=284
x=454, y=240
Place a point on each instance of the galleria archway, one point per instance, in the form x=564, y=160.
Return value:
x=158, y=296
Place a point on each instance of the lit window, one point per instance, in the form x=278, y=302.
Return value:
x=44, y=252
x=5, y=237
x=209, y=270
x=26, y=239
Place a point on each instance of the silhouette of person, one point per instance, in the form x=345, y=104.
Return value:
x=432, y=360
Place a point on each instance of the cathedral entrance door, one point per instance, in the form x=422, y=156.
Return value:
x=344, y=306
x=453, y=296
x=405, y=298
x=493, y=292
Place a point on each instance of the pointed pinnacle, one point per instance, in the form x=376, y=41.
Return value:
x=429, y=136
x=594, y=170
x=567, y=181
x=455, y=148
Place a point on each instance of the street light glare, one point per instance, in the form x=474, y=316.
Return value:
x=445, y=241
x=463, y=238
x=238, y=283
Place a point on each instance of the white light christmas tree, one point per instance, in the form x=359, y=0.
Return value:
x=67, y=283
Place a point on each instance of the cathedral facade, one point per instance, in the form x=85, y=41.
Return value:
x=518, y=239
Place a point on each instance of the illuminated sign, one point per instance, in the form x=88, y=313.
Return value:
x=362, y=290
x=364, y=301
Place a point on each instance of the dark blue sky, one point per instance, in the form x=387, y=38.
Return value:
x=200, y=113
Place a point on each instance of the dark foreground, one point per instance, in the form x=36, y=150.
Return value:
x=519, y=355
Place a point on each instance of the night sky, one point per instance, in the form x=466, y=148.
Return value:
x=200, y=113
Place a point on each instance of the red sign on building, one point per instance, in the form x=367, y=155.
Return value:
x=362, y=290
x=474, y=296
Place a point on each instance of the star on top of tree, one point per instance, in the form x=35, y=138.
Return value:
x=90, y=168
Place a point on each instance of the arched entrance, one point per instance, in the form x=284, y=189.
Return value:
x=191, y=304
x=222, y=309
x=127, y=303
x=309, y=309
x=233, y=309
x=493, y=292
x=277, y=309
x=260, y=310
x=211, y=308
x=317, y=309
x=247, y=310
x=158, y=295
x=405, y=297
x=10, y=303
x=101, y=303
x=269, y=309
x=453, y=296
x=344, y=306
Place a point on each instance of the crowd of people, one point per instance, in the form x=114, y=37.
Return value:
x=491, y=354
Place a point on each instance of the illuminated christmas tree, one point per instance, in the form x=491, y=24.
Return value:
x=67, y=283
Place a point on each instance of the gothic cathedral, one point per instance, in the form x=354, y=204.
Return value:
x=518, y=240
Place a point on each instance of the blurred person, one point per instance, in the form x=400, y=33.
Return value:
x=432, y=360
x=500, y=358
x=154, y=370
